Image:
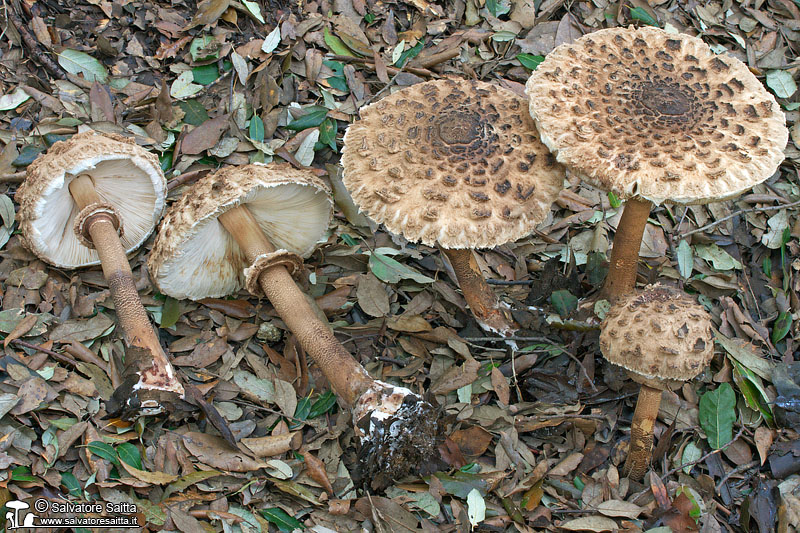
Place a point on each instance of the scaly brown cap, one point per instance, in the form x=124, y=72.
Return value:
x=659, y=334
x=126, y=176
x=642, y=112
x=451, y=161
x=195, y=257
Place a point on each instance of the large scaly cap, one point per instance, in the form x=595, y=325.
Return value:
x=195, y=257
x=453, y=162
x=642, y=112
x=126, y=177
x=659, y=334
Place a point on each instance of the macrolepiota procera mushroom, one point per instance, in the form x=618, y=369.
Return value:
x=250, y=227
x=663, y=338
x=93, y=199
x=654, y=117
x=455, y=163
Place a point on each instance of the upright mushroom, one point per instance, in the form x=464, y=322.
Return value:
x=93, y=199
x=654, y=117
x=249, y=227
x=662, y=337
x=453, y=162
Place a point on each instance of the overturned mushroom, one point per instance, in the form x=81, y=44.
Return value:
x=654, y=117
x=458, y=163
x=249, y=227
x=89, y=200
x=662, y=337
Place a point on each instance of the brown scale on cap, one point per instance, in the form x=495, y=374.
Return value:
x=659, y=334
x=659, y=115
x=451, y=161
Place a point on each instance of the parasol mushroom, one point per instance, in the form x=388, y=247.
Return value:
x=654, y=117
x=453, y=162
x=249, y=227
x=662, y=337
x=93, y=199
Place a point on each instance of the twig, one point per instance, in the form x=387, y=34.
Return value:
x=513, y=338
x=738, y=469
x=385, y=87
x=16, y=177
x=703, y=458
x=390, y=69
x=740, y=212
x=33, y=45
x=55, y=355
x=512, y=282
x=186, y=177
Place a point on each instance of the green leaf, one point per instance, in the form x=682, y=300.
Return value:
x=324, y=404
x=691, y=453
x=637, y=13
x=685, y=259
x=391, y=271
x=498, y=7
x=170, y=314
x=200, y=49
x=7, y=210
x=71, y=483
x=13, y=100
x=530, y=61
x=255, y=9
x=613, y=200
x=335, y=44
x=781, y=326
x=369, y=18
x=409, y=54
x=283, y=520
x=564, y=302
x=303, y=408
x=327, y=133
x=22, y=473
x=256, y=129
x=80, y=63
x=781, y=82
x=596, y=267
x=717, y=415
x=195, y=112
x=752, y=389
x=460, y=484
x=27, y=155
x=130, y=454
x=313, y=118
x=205, y=74
x=104, y=451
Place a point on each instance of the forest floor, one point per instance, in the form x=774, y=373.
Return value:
x=536, y=436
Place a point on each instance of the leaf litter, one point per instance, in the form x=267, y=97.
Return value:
x=537, y=435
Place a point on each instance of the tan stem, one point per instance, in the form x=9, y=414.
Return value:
x=480, y=297
x=621, y=278
x=347, y=377
x=144, y=354
x=644, y=421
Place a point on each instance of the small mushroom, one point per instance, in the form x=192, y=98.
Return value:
x=662, y=337
x=453, y=162
x=93, y=199
x=249, y=227
x=654, y=117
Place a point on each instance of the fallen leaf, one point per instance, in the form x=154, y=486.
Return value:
x=204, y=136
x=590, y=523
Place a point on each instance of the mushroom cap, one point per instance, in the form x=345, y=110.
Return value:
x=195, y=257
x=451, y=161
x=658, y=334
x=642, y=112
x=125, y=175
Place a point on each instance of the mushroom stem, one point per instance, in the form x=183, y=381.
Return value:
x=347, y=377
x=481, y=298
x=147, y=367
x=621, y=278
x=644, y=420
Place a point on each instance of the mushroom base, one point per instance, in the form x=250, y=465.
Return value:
x=396, y=440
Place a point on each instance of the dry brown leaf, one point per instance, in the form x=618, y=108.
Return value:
x=372, y=296
x=473, y=441
x=204, y=136
x=763, y=438
x=217, y=453
x=316, y=470
x=619, y=508
x=456, y=377
x=500, y=386
x=23, y=327
x=590, y=523
x=154, y=478
x=567, y=464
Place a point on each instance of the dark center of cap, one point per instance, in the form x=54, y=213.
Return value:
x=459, y=128
x=665, y=99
